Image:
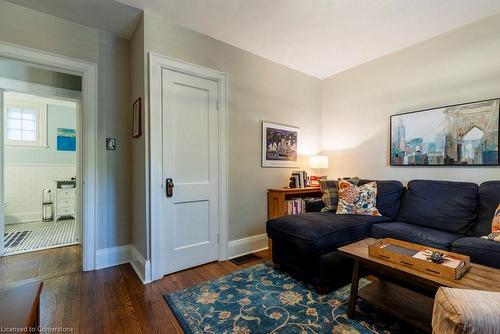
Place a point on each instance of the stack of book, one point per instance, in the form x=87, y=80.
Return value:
x=314, y=181
x=299, y=179
x=295, y=206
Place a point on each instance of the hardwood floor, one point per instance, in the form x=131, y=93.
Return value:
x=39, y=265
x=114, y=300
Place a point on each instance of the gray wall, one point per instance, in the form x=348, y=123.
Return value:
x=139, y=170
x=22, y=26
x=459, y=66
x=258, y=90
x=20, y=71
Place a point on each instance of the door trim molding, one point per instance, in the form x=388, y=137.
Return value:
x=88, y=117
x=156, y=63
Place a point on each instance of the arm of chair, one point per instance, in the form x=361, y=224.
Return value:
x=466, y=311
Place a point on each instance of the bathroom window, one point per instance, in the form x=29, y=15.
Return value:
x=25, y=123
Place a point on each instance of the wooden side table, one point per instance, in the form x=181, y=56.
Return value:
x=276, y=206
x=20, y=308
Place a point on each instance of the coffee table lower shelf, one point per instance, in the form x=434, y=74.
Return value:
x=408, y=305
x=413, y=307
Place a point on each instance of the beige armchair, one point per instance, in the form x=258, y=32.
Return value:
x=458, y=311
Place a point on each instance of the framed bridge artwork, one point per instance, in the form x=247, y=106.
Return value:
x=279, y=145
x=456, y=135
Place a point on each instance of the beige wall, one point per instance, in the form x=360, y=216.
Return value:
x=258, y=90
x=22, y=26
x=346, y=115
x=459, y=66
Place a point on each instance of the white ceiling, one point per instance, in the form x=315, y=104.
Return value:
x=321, y=37
x=317, y=37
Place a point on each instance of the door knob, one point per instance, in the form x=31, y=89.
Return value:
x=170, y=187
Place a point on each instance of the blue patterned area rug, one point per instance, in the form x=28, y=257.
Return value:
x=261, y=299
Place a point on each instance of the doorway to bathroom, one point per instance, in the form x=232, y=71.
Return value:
x=41, y=120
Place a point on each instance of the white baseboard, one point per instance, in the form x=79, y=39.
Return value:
x=248, y=245
x=112, y=256
x=141, y=266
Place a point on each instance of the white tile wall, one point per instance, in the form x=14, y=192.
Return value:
x=24, y=185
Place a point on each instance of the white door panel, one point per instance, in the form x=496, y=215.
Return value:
x=191, y=115
x=191, y=224
x=190, y=158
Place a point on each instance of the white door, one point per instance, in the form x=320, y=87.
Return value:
x=190, y=158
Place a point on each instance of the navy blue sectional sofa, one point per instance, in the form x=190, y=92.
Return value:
x=441, y=214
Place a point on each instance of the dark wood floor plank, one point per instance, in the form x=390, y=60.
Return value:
x=111, y=300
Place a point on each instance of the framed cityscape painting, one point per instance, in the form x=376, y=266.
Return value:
x=457, y=135
x=279, y=145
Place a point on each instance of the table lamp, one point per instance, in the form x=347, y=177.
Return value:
x=317, y=162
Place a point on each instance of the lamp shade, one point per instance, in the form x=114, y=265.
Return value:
x=318, y=161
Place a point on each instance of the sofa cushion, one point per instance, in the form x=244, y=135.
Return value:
x=482, y=251
x=389, y=195
x=360, y=200
x=414, y=233
x=389, y=198
x=443, y=205
x=489, y=198
x=319, y=232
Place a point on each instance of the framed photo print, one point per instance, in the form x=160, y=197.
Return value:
x=456, y=135
x=110, y=144
x=279, y=145
x=136, y=119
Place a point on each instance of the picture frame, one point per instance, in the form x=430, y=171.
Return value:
x=66, y=139
x=137, y=118
x=464, y=134
x=110, y=144
x=279, y=145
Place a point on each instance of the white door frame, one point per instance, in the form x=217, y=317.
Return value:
x=156, y=64
x=2, y=198
x=88, y=166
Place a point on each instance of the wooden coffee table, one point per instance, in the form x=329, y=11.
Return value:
x=404, y=292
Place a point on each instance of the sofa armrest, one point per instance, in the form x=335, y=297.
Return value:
x=314, y=205
x=466, y=311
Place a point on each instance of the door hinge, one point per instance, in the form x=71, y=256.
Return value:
x=217, y=105
x=218, y=238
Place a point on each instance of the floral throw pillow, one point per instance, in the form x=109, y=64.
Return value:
x=360, y=200
x=495, y=227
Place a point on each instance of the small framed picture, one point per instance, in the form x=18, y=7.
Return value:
x=110, y=144
x=136, y=119
x=279, y=145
